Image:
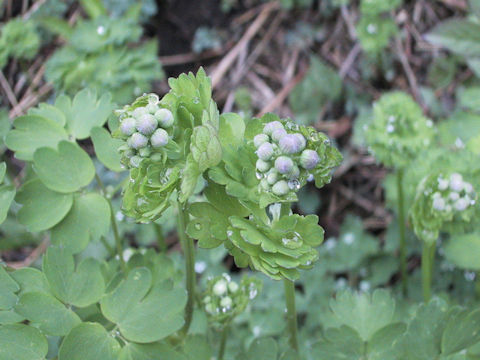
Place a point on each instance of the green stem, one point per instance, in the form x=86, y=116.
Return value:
x=428, y=258
x=401, y=226
x=188, y=252
x=223, y=342
x=477, y=285
x=116, y=233
x=291, y=312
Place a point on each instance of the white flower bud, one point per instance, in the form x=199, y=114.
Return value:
x=265, y=151
x=128, y=126
x=468, y=187
x=454, y=196
x=226, y=302
x=210, y=308
x=272, y=176
x=220, y=287
x=456, y=182
x=438, y=204
x=233, y=287
x=278, y=134
x=260, y=139
x=151, y=108
x=309, y=159
x=301, y=140
x=159, y=138
x=137, y=141
x=164, y=117
x=270, y=127
x=262, y=165
x=283, y=164
x=290, y=144
x=146, y=124
x=264, y=184
x=139, y=111
x=280, y=188
x=461, y=204
x=442, y=184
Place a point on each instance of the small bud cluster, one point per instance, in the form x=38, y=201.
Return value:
x=145, y=129
x=225, y=298
x=453, y=194
x=282, y=157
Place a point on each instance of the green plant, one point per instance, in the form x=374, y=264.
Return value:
x=18, y=39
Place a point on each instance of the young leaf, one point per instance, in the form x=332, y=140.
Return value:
x=42, y=207
x=32, y=132
x=49, y=112
x=461, y=331
x=144, y=313
x=66, y=170
x=231, y=130
x=106, y=148
x=205, y=147
x=22, y=342
x=47, y=313
x=89, y=341
x=80, y=286
x=89, y=219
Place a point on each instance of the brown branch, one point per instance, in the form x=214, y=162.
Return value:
x=34, y=255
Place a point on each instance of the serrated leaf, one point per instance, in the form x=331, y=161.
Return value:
x=47, y=313
x=231, y=130
x=89, y=219
x=339, y=344
x=144, y=313
x=106, y=148
x=205, y=147
x=64, y=170
x=190, y=176
x=80, y=286
x=363, y=312
x=464, y=251
x=31, y=133
x=42, y=207
x=8, y=288
x=22, y=342
x=89, y=341
x=459, y=36
x=7, y=194
x=85, y=112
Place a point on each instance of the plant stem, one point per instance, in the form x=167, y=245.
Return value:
x=188, y=252
x=401, y=226
x=223, y=342
x=116, y=233
x=291, y=312
x=428, y=257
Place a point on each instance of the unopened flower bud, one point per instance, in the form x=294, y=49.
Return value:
x=294, y=173
x=226, y=302
x=128, y=126
x=454, y=196
x=280, y=188
x=220, y=287
x=262, y=165
x=145, y=152
x=442, y=184
x=164, y=117
x=264, y=185
x=467, y=187
x=151, y=108
x=265, y=151
x=207, y=299
x=438, y=204
x=260, y=139
x=209, y=308
x=283, y=164
x=146, y=124
x=461, y=204
x=139, y=111
x=290, y=144
x=159, y=138
x=135, y=161
x=309, y=159
x=233, y=287
x=456, y=182
x=272, y=176
x=302, y=140
x=137, y=141
x=270, y=127
x=278, y=134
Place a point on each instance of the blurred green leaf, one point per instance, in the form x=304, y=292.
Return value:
x=22, y=342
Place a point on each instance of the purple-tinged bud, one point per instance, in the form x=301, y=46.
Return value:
x=278, y=134
x=265, y=151
x=151, y=108
x=456, y=182
x=302, y=140
x=128, y=126
x=262, y=165
x=137, y=141
x=139, y=111
x=260, y=139
x=164, y=117
x=438, y=204
x=146, y=124
x=159, y=138
x=461, y=204
x=290, y=144
x=309, y=159
x=284, y=164
x=270, y=127
x=281, y=188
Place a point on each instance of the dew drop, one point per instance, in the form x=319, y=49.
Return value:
x=197, y=226
x=294, y=184
x=258, y=175
x=101, y=30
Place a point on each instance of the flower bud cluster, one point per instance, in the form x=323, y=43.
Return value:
x=453, y=194
x=146, y=130
x=282, y=158
x=225, y=298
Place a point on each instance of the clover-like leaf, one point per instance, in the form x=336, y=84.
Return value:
x=339, y=344
x=89, y=341
x=32, y=132
x=133, y=351
x=64, y=170
x=30, y=280
x=49, y=112
x=47, y=313
x=89, y=219
x=7, y=194
x=106, y=148
x=144, y=313
x=22, y=342
x=81, y=286
x=8, y=288
x=42, y=207
x=85, y=111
